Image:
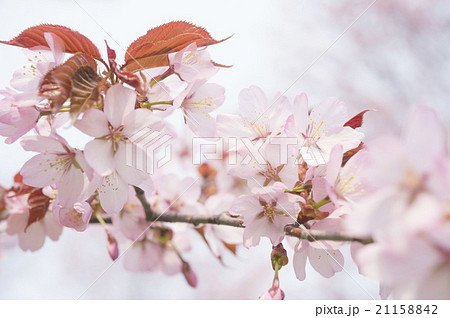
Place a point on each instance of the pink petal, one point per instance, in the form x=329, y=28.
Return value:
x=52, y=228
x=34, y=238
x=100, y=156
x=42, y=144
x=326, y=262
x=113, y=193
x=42, y=170
x=93, y=123
x=127, y=172
x=299, y=263
x=70, y=186
x=119, y=101
x=252, y=103
x=300, y=112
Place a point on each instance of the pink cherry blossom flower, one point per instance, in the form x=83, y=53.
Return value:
x=17, y=122
x=407, y=213
x=197, y=101
x=324, y=256
x=258, y=118
x=266, y=212
x=107, y=153
x=57, y=164
x=265, y=165
x=321, y=129
x=76, y=216
x=114, y=127
x=113, y=188
x=342, y=185
x=28, y=79
x=189, y=62
x=174, y=195
x=150, y=255
x=32, y=237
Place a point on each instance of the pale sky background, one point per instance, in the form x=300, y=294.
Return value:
x=391, y=59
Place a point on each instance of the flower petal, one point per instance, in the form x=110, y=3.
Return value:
x=119, y=101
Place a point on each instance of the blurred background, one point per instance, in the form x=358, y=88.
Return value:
x=385, y=55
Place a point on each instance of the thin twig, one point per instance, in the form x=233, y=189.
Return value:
x=227, y=219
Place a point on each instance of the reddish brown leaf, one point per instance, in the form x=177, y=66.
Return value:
x=126, y=77
x=357, y=120
x=19, y=188
x=18, y=178
x=38, y=204
x=85, y=92
x=56, y=85
x=74, y=42
x=351, y=153
x=151, y=49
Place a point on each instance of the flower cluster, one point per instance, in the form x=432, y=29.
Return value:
x=407, y=212
x=277, y=165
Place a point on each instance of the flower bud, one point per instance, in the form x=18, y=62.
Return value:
x=189, y=274
x=274, y=293
x=113, y=247
x=278, y=256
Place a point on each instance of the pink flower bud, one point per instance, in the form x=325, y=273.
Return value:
x=274, y=293
x=113, y=247
x=189, y=274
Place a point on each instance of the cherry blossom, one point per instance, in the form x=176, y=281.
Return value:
x=198, y=100
x=324, y=256
x=320, y=129
x=189, y=62
x=174, y=195
x=258, y=117
x=413, y=199
x=30, y=237
x=266, y=212
x=58, y=164
x=27, y=79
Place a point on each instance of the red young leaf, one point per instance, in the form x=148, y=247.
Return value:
x=126, y=77
x=357, y=120
x=38, y=204
x=351, y=153
x=19, y=188
x=85, y=93
x=151, y=49
x=56, y=85
x=18, y=178
x=74, y=42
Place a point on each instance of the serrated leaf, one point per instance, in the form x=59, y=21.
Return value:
x=152, y=49
x=38, y=204
x=56, y=85
x=85, y=92
x=74, y=42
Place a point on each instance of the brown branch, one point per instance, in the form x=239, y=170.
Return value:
x=238, y=221
x=316, y=235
